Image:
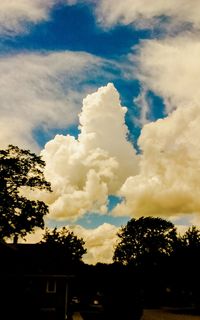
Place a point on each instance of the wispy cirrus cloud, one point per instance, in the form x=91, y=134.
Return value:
x=17, y=15
x=42, y=90
x=149, y=13
x=170, y=68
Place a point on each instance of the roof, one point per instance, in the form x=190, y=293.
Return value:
x=34, y=259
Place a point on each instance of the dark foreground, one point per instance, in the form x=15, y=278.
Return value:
x=156, y=314
x=167, y=314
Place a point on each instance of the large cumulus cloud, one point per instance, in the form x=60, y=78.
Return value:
x=101, y=162
x=85, y=171
x=168, y=182
x=100, y=242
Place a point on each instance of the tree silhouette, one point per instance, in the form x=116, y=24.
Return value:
x=65, y=239
x=19, y=215
x=145, y=245
x=191, y=238
x=146, y=237
x=185, y=264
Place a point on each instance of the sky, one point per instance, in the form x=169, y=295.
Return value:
x=107, y=92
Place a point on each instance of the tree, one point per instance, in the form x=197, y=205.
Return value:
x=72, y=245
x=191, y=238
x=19, y=215
x=144, y=238
x=185, y=264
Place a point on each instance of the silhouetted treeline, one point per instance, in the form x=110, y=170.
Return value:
x=166, y=263
x=153, y=266
x=113, y=287
x=161, y=269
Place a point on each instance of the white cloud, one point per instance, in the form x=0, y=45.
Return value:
x=16, y=15
x=169, y=177
x=141, y=102
x=170, y=67
x=168, y=182
x=185, y=221
x=34, y=237
x=99, y=242
x=37, y=90
x=146, y=13
x=84, y=172
x=40, y=91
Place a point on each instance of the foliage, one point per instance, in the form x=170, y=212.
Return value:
x=20, y=169
x=191, y=238
x=63, y=238
x=146, y=237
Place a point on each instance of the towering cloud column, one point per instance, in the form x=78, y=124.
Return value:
x=85, y=171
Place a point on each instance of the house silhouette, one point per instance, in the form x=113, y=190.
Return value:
x=35, y=282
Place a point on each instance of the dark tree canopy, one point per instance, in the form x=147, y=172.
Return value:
x=72, y=245
x=18, y=214
x=144, y=237
x=191, y=238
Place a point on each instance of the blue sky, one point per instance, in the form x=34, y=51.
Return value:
x=75, y=28
x=140, y=161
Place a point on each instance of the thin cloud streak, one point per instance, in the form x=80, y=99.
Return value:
x=149, y=13
x=16, y=16
x=170, y=68
x=39, y=90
